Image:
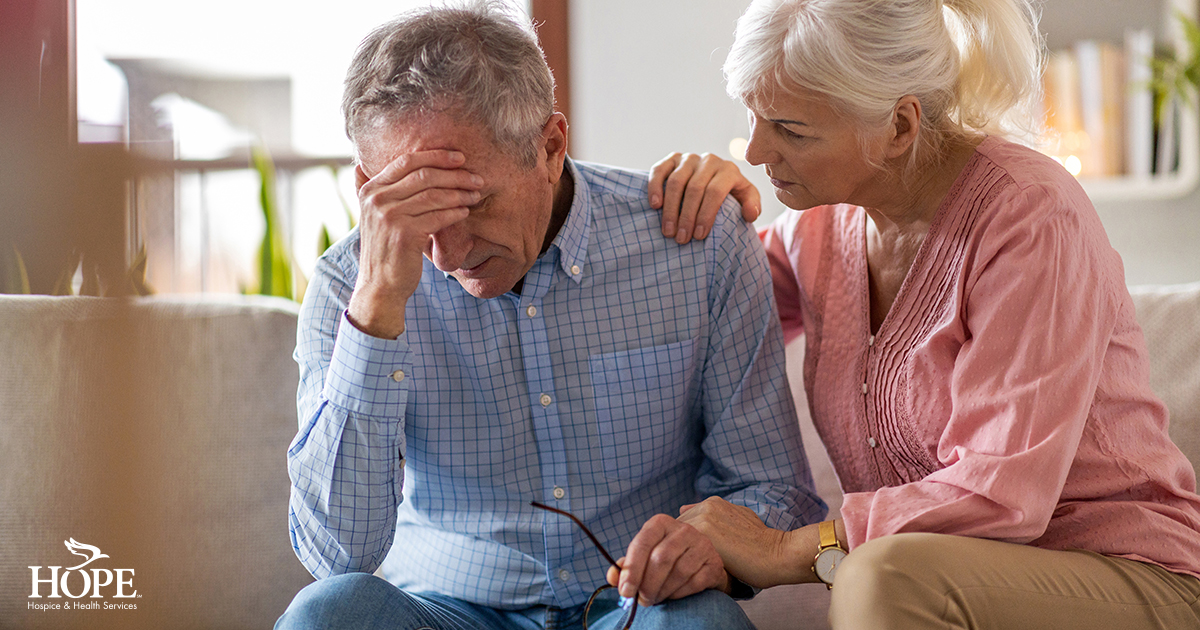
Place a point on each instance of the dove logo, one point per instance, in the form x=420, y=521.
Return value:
x=79, y=549
x=78, y=581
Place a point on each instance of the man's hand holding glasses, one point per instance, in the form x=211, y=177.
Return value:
x=667, y=559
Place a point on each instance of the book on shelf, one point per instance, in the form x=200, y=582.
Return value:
x=1100, y=119
x=1139, y=104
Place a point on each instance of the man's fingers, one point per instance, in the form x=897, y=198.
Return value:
x=613, y=576
x=393, y=204
x=670, y=567
x=360, y=177
x=638, y=554
x=437, y=220
x=406, y=163
x=425, y=178
x=665, y=559
x=704, y=579
x=674, y=562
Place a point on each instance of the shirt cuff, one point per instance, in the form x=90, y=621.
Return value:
x=368, y=375
x=856, y=510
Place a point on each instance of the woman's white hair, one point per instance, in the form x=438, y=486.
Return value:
x=975, y=65
x=479, y=60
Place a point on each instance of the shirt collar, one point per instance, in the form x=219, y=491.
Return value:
x=572, y=238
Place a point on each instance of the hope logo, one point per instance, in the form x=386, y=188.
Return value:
x=76, y=582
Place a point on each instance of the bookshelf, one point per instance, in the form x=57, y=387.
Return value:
x=1067, y=22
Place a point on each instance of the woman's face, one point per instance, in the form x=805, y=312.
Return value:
x=811, y=152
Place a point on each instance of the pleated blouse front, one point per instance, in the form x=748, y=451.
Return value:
x=1006, y=394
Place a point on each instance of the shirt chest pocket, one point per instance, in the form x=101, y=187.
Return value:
x=642, y=407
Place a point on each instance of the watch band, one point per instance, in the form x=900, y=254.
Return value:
x=828, y=534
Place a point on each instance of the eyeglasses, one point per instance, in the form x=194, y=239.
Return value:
x=629, y=604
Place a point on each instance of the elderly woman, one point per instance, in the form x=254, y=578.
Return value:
x=973, y=363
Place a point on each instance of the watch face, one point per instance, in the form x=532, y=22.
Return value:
x=827, y=563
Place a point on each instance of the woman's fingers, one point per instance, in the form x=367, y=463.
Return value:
x=747, y=195
x=690, y=190
x=655, y=190
x=679, y=184
x=658, y=175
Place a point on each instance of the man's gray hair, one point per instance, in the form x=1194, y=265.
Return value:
x=479, y=61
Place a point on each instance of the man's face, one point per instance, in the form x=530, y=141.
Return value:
x=498, y=242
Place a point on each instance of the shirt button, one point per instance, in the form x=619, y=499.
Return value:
x=545, y=400
x=871, y=340
x=575, y=270
x=398, y=375
x=564, y=575
x=871, y=442
x=559, y=492
x=532, y=310
x=864, y=388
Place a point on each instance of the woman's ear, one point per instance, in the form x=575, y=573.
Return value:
x=554, y=145
x=906, y=124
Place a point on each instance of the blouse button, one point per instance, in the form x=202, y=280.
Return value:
x=871, y=442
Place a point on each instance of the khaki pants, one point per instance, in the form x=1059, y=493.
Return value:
x=939, y=581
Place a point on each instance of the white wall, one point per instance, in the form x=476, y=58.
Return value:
x=646, y=80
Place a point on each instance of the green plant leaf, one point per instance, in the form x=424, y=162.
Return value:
x=324, y=242
x=63, y=285
x=136, y=275
x=333, y=169
x=16, y=277
x=91, y=279
x=275, y=263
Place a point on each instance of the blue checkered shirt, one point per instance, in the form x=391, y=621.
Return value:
x=631, y=375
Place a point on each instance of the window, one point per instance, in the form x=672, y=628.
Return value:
x=195, y=86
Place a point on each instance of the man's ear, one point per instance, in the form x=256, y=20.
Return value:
x=906, y=124
x=553, y=149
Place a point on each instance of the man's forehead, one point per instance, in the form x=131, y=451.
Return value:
x=390, y=137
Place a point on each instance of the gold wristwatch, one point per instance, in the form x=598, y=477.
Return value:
x=830, y=554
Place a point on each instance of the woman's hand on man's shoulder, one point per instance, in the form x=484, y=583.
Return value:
x=690, y=189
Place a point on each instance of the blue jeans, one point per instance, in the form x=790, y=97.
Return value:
x=360, y=600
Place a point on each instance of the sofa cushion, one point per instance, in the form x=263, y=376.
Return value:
x=1170, y=320
x=156, y=430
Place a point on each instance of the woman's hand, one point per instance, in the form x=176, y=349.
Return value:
x=695, y=187
x=751, y=551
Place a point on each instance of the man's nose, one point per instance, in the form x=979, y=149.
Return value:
x=450, y=247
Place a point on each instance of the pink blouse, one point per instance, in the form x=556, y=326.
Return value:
x=1006, y=395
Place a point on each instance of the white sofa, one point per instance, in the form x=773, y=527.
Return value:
x=155, y=429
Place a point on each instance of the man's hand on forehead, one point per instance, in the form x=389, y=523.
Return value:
x=411, y=198
x=412, y=163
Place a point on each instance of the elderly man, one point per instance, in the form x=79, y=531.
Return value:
x=506, y=327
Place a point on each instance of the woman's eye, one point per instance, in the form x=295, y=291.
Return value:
x=789, y=133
